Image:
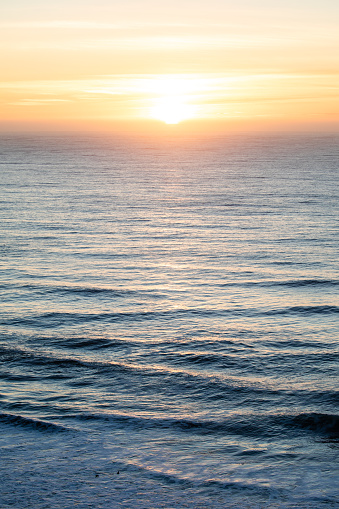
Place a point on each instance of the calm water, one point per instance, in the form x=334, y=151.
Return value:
x=169, y=322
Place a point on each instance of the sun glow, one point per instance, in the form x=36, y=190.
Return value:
x=172, y=110
x=173, y=101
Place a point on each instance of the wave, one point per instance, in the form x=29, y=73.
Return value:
x=88, y=291
x=293, y=283
x=28, y=422
x=91, y=343
x=327, y=424
x=183, y=375
x=47, y=359
x=246, y=427
x=260, y=425
x=56, y=319
x=30, y=356
x=306, y=282
x=84, y=290
x=304, y=310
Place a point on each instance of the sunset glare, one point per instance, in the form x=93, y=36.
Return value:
x=172, y=110
x=171, y=105
x=249, y=65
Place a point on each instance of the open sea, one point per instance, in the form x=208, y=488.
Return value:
x=169, y=321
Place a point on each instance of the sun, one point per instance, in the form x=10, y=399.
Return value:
x=173, y=98
x=172, y=110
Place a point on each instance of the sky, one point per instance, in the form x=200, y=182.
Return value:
x=146, y=64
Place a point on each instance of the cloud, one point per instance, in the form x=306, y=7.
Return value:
x=91, y=25
x=37, y=102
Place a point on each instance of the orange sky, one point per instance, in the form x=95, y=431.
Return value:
x=140, y=64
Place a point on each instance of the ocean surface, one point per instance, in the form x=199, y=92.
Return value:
x=169, y=321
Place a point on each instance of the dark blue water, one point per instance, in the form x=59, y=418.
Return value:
x=169, y=322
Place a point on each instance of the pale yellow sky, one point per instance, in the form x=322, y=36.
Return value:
x=249, y=64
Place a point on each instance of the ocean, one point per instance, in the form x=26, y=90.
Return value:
x=169, y=321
